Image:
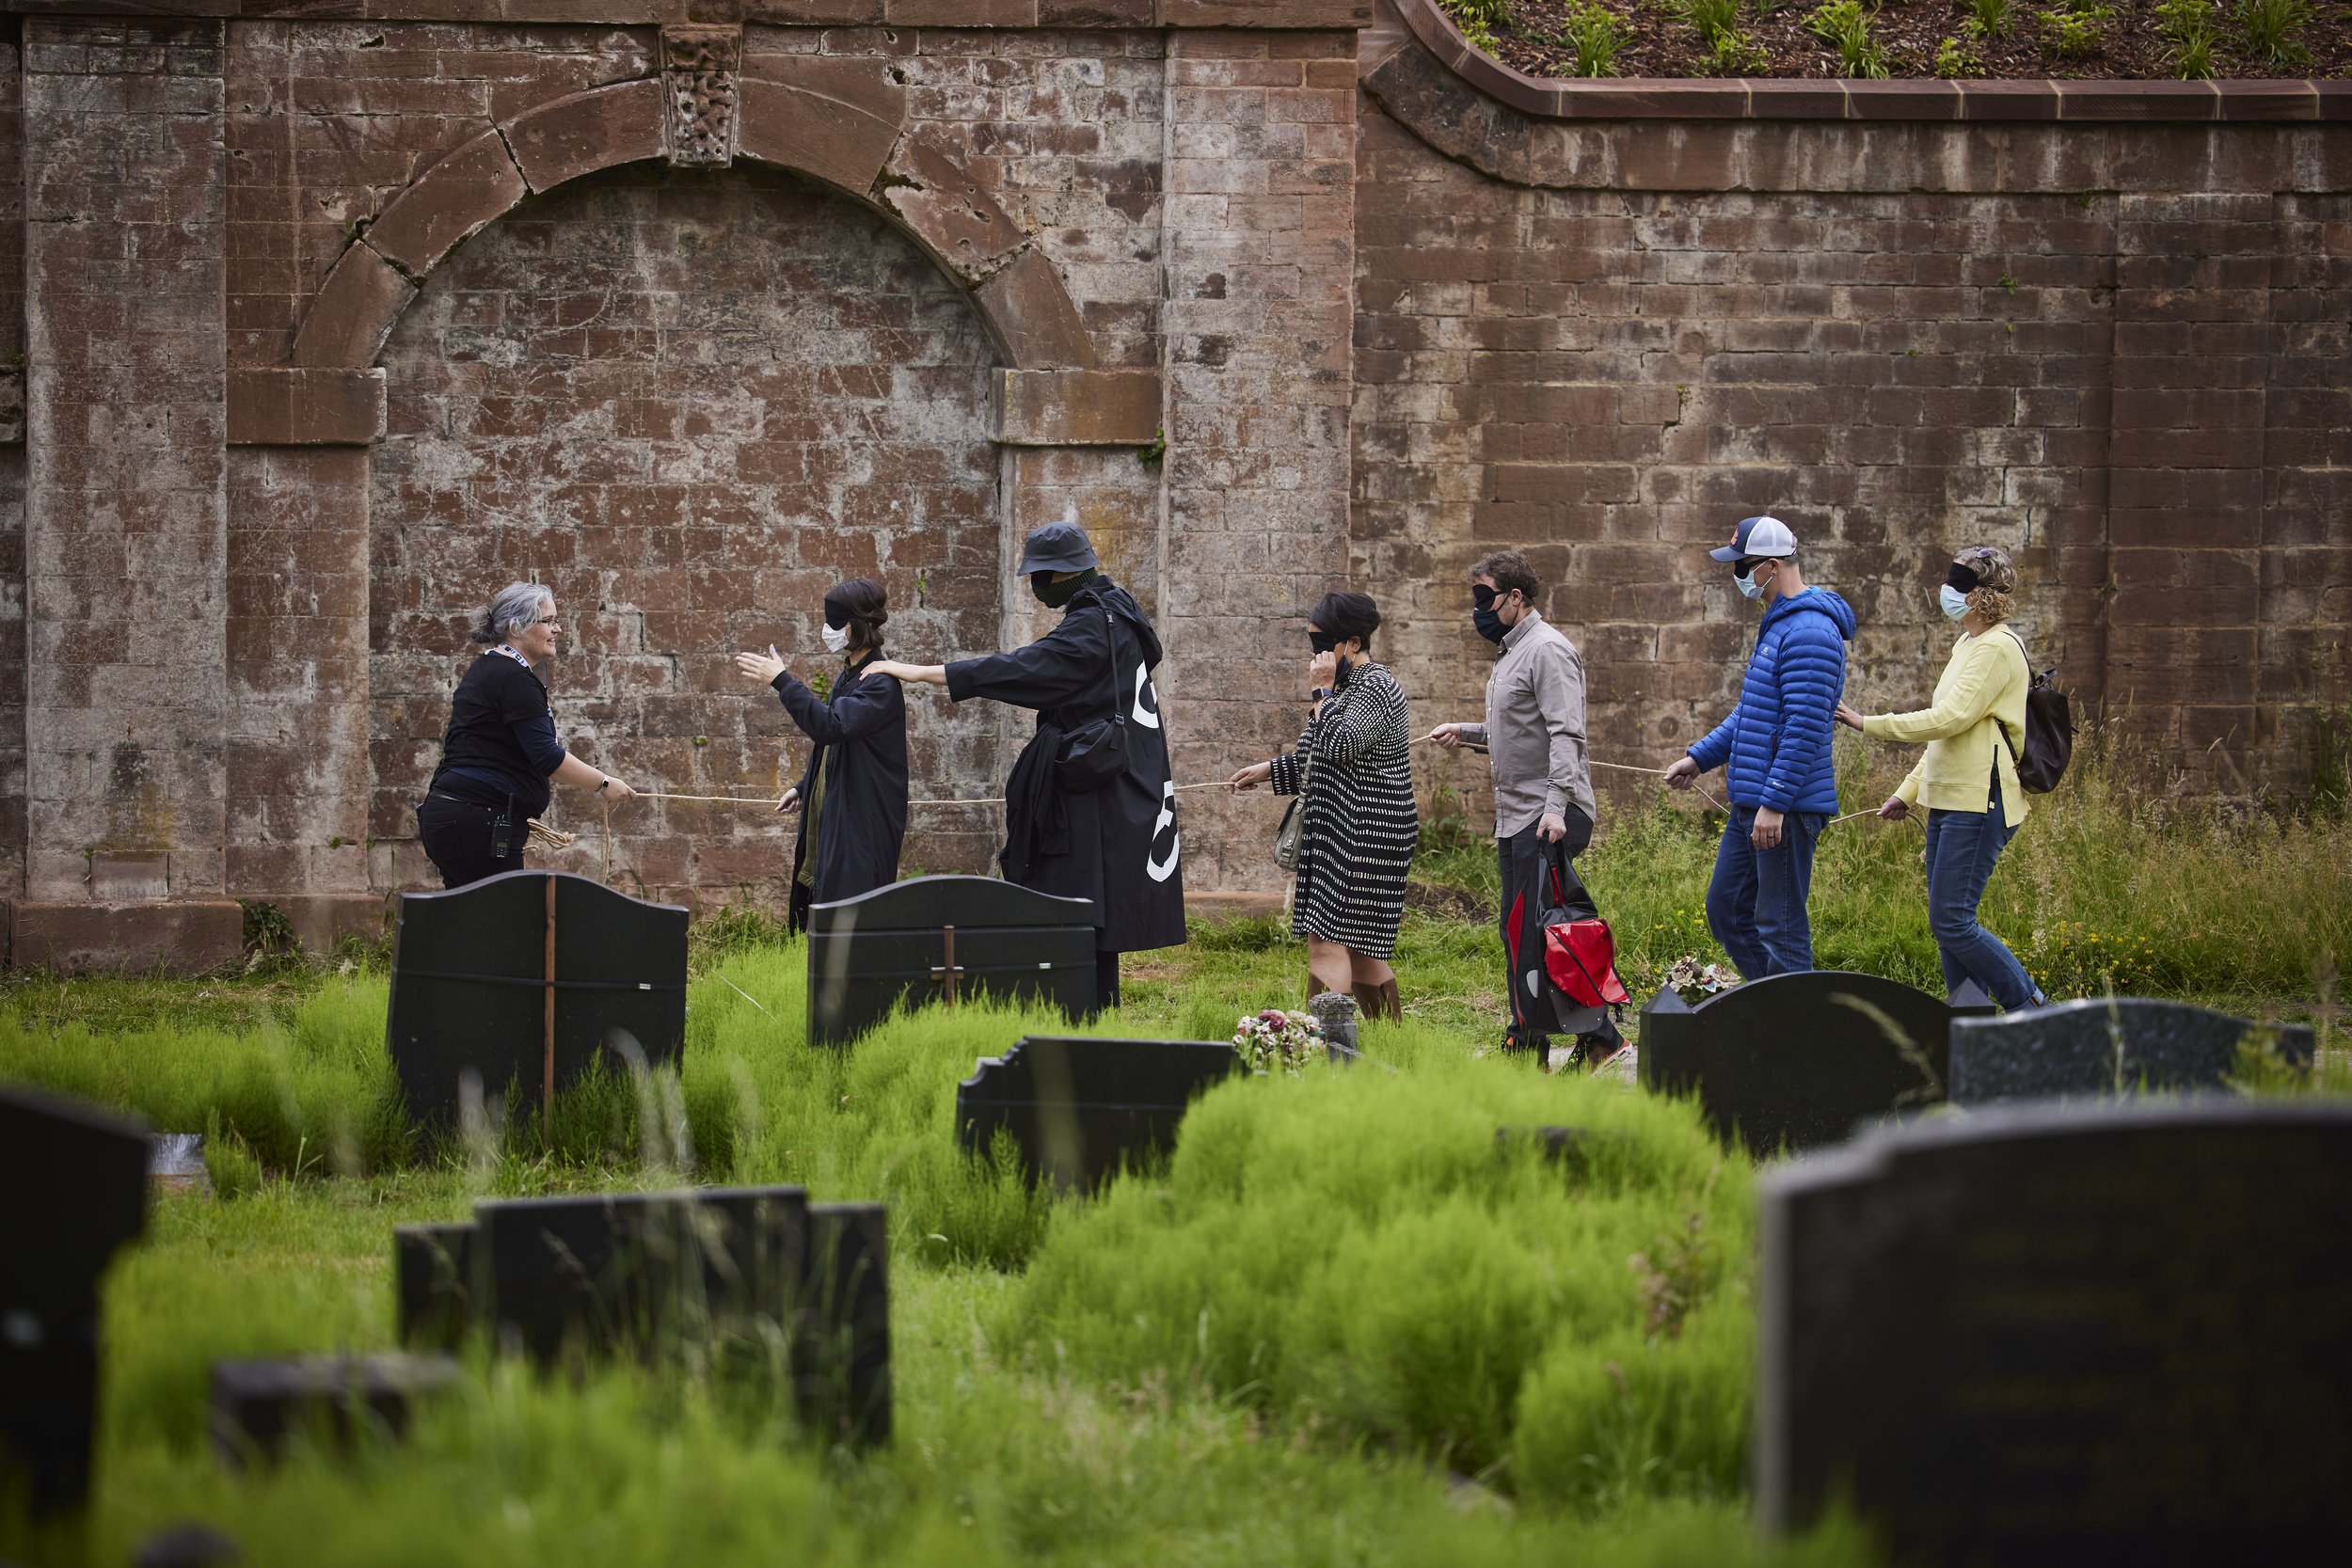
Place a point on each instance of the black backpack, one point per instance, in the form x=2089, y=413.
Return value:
x=2049, y=730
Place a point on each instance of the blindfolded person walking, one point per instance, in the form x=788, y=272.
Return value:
x=852, y=800
x=1535, y=738
x=1353, y=773
x=1966, y=779
x=1775, y=748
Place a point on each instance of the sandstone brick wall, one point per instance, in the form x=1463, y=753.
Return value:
x=125, y=257
x=1262, y=204
x=2140, y=393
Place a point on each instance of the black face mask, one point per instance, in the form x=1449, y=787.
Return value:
x=1488, y=624
x=1051, y=594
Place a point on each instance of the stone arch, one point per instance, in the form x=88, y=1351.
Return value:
x=839, y=121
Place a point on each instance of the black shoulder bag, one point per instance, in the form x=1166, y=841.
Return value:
x=2049, y=730
x=1096, y=753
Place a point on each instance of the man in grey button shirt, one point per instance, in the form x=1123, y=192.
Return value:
x=1534, y=736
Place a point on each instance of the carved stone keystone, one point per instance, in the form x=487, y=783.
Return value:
x=698, y=73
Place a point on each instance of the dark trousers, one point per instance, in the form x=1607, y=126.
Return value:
x=1521, y=858
x=1106, y=981
x=1963, y=848
x=458, y=837
x=1755, y=901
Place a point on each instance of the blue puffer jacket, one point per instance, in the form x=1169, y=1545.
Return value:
x=1777, y=739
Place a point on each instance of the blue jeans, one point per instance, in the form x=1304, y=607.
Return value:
x=1755, y=903
x=1963, y=848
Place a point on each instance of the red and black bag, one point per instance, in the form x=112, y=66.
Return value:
x=1581, y=959
x=1579, y=953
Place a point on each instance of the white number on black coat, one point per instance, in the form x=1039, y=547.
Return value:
x=1148, y=717
x=1160, y=871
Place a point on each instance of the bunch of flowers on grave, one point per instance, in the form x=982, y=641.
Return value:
x=1276, y=1041
x=1695, y=982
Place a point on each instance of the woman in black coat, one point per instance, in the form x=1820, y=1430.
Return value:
x=852, y=800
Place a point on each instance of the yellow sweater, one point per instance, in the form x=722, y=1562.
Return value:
x=1982, y=691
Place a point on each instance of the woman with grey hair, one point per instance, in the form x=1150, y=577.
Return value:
x=500, y=756
x=1968, y=777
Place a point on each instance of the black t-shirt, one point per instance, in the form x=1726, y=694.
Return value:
x=501, y=741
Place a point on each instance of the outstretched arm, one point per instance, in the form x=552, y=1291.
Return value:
x=923, y=675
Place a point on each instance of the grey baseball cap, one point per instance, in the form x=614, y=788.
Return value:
x=1058, y=547
x=1758, y=536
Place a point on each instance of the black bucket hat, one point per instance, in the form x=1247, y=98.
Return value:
x=1058, y=547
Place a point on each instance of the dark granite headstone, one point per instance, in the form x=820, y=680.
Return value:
x=1080, y=1109
x=2067, y=1334
x=258, y=1408
x=740, y=1269
x=841, y=1362
x=934, y=939
x=435, y=1284
x=638, y=1270
x=471, y=978
x=2105, y=1047
x=76, y=1185
x=1800, y=1059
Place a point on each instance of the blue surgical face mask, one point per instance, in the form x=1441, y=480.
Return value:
x=1749, y=587
x=1955, y=603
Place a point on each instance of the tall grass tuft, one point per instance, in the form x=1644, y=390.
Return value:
x=1356, y=1252
x=1845, y=27
x=2190, y=30
x=318, y=1092
x=1990, y=19
x=1592, y=33
x=2270, y=31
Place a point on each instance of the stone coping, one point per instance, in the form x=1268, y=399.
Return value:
x=1320, y=15
x=2266, y=100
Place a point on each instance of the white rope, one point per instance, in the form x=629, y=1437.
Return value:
x=770, y=799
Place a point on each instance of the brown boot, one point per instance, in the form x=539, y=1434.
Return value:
x=1379, y=1001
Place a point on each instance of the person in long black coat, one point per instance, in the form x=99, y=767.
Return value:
x=852, y=799
x=1118, y=844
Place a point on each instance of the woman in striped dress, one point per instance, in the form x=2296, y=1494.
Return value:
x=1360, y=824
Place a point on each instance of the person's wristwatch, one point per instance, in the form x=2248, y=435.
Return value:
x=1320, y=694
x=605, y=779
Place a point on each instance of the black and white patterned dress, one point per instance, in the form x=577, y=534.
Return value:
x=1361, y=824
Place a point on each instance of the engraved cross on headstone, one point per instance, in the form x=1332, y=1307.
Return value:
x=947, y=972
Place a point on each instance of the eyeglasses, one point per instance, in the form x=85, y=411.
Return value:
x=1747, y=564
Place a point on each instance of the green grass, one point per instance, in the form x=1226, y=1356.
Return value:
x=1354, y=1255
x=1341, y=1326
